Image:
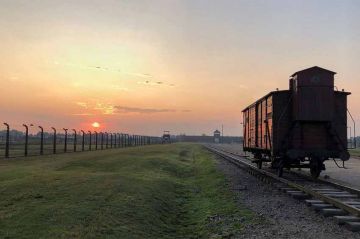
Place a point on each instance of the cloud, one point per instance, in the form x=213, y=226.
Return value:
x=148, y=78
x=142, y=75
x=106, y=109
x=104, y=68
x=82, y=104
x=147, y=82
x=137, y=74
x=83, y=114
x=124, y=109
x=154, y=83
x=96, y=108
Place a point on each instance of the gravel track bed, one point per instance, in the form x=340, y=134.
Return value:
x=278, y=215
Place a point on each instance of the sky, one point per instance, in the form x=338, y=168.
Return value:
x=187, y=66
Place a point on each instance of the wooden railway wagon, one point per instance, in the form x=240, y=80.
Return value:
x=300, y=127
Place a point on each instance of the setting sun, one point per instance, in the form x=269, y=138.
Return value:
x=95, y=125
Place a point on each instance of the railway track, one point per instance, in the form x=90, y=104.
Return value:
x=330, y=199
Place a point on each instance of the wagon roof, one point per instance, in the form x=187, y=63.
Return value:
x=282, y=91
x=314, y=68
x=270, y=93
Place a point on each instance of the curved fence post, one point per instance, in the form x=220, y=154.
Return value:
x=41, y=140
x=75, y=139
x=107, y=139
x=96, y=140
x=26, y=139
x=121, y=140
x=89, y=140
x=83, y=140
x=65, y=140
x=54, y=140
x=102, y=140
x=7, y=142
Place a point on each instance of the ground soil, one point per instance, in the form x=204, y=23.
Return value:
x=277, y=215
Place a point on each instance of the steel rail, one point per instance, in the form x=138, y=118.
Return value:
x=331, y=183
x=235, y=159
x=308, y=177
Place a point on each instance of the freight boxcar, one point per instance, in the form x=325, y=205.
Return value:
x=300, y=127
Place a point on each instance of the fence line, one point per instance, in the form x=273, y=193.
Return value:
x=15, y=143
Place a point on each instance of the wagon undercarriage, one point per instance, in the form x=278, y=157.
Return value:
x=314, y=163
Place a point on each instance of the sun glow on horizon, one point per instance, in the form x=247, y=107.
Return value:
x=95, y=125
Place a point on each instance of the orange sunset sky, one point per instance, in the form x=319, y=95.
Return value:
x=187, y=66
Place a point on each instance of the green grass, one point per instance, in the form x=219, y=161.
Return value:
x=355, y=152
x=161, y=191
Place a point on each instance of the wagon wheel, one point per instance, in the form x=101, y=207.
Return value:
x=315, y=168
x=280, y=168
x=315, y=171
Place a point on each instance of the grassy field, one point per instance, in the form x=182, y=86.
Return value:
x=355, y=152
x=161, y=191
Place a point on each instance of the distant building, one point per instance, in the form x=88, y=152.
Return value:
x=217, y=136
x=208, y=139
x=166, y=137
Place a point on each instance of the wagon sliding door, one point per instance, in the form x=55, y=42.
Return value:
x=252, y=127
x=268, y=126
x=262, y=121
x=280, y=119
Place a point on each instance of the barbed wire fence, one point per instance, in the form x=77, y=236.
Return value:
x=32, y=140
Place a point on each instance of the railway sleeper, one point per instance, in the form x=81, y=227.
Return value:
x=309, y=202
x=331, y=212
x=319, y=206
x=341, y=196
x=353, y=203
x=341, y=220
x=286, y=189
x=325, y=190
x=353, y=226
x=298, y=194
